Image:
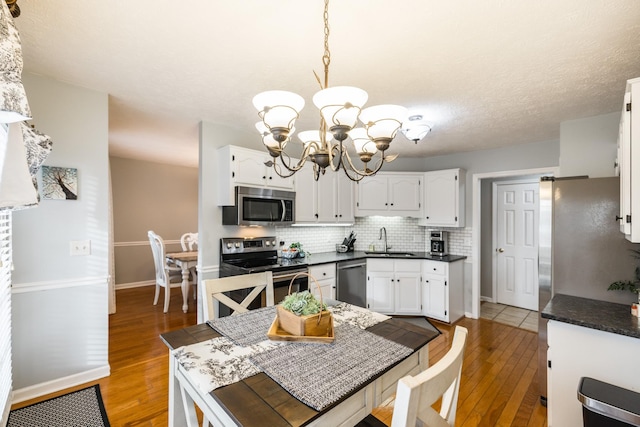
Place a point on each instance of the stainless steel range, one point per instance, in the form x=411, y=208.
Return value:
x=257, y=254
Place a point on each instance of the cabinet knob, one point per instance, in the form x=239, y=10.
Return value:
x=270, y=177
x=386, y=204
x=391, y=204
x=264, y=177
x=427, y=217
x=618, y=218
x=324, y=274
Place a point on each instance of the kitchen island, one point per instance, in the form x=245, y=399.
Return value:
x=587, y=338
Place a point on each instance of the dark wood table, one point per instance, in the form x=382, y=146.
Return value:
x=260, y=401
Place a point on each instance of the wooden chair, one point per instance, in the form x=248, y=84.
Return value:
x=415, y=395
x=214, y=296
x=167, y=276
x=215, y=289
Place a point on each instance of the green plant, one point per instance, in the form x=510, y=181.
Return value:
x=298, y=246
x=303, y=303
x=630, y=285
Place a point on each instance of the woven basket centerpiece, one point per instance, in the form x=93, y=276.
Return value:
x=299, y=326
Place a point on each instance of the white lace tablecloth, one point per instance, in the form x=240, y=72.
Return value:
x=222, y=361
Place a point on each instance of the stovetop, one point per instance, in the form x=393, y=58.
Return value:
x=253, y=255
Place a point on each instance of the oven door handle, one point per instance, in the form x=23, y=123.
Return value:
x=287, y=276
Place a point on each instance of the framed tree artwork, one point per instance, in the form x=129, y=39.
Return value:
x=59, y=183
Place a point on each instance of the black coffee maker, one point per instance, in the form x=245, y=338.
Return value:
x=438, y=243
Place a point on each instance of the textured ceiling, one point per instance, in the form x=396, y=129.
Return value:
x=486, y=73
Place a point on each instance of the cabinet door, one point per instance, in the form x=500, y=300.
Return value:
x=249, y=168
x=273, y=180
x=346, y=198
x=436, y=297
x=441, y=198
x=372, y=195
x=327, y=286
x=380, y=292
x=408, y=295
x=404, y=193
x=306, y=195
x=327, y=198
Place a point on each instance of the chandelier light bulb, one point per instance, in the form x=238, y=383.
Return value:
x=340, y=107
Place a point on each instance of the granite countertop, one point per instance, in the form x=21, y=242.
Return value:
x=327, y=257
x=600, y=315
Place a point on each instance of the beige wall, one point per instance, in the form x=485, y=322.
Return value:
x=149, y=196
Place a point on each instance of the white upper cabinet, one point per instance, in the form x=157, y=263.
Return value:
x=239, y=166
x=444, y=198
x=328, y=200
x=390, y=194
x=629, y=162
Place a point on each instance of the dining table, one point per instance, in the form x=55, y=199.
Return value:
x=290, y=383
x=186, y=261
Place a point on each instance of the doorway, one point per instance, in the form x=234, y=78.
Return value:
x=480, y=217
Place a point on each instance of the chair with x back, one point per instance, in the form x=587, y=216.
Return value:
x=253, y=283
x=416, y=394
x=167, y=276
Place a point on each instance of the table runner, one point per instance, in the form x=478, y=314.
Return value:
x=325, y=374
x=244, y=350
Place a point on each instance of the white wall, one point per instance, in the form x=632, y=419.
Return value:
x=60, y=320
x=588, y=146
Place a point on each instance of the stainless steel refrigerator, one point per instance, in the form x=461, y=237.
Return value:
x=581, y=248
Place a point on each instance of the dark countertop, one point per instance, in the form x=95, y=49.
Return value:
x=327, y=257
x=601, y=315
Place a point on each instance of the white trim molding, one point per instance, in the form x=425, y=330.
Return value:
x=52, y=386
x=143, y=243
x=19, y=288
x=132, y=285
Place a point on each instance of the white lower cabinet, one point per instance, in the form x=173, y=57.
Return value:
x=576, y=352
x=442, y=293
x=325, y=275
x=393, y=286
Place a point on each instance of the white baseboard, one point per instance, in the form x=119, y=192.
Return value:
x=487, y=299
x=52, y=386
x=135, y=284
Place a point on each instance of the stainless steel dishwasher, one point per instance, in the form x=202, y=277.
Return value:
x=352, y=282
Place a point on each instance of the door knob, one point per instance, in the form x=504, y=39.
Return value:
x=500, y=250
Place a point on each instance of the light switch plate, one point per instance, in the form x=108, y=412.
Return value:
x=80, y=247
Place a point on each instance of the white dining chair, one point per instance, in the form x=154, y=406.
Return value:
x=416, y=394
x=215, y=290
x=189, y=242
x=167, y=276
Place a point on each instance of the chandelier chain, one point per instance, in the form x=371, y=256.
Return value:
x=326, y=58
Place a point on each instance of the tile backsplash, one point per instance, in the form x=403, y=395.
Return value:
x=403, y=234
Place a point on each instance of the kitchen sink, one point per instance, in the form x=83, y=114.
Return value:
x=389, y=253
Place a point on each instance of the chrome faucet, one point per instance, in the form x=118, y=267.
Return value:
x=385, y=239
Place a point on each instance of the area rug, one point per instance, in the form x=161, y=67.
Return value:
x=79, y=408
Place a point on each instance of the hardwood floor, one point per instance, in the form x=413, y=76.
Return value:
x=498, y=388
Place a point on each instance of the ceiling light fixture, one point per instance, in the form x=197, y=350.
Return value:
x=340, y=109
x=415, y=128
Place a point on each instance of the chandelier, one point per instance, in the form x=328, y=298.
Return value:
x=341, y=108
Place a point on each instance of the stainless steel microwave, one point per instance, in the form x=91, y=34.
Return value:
x=260, y=206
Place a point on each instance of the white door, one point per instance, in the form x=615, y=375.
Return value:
x=516, y=244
